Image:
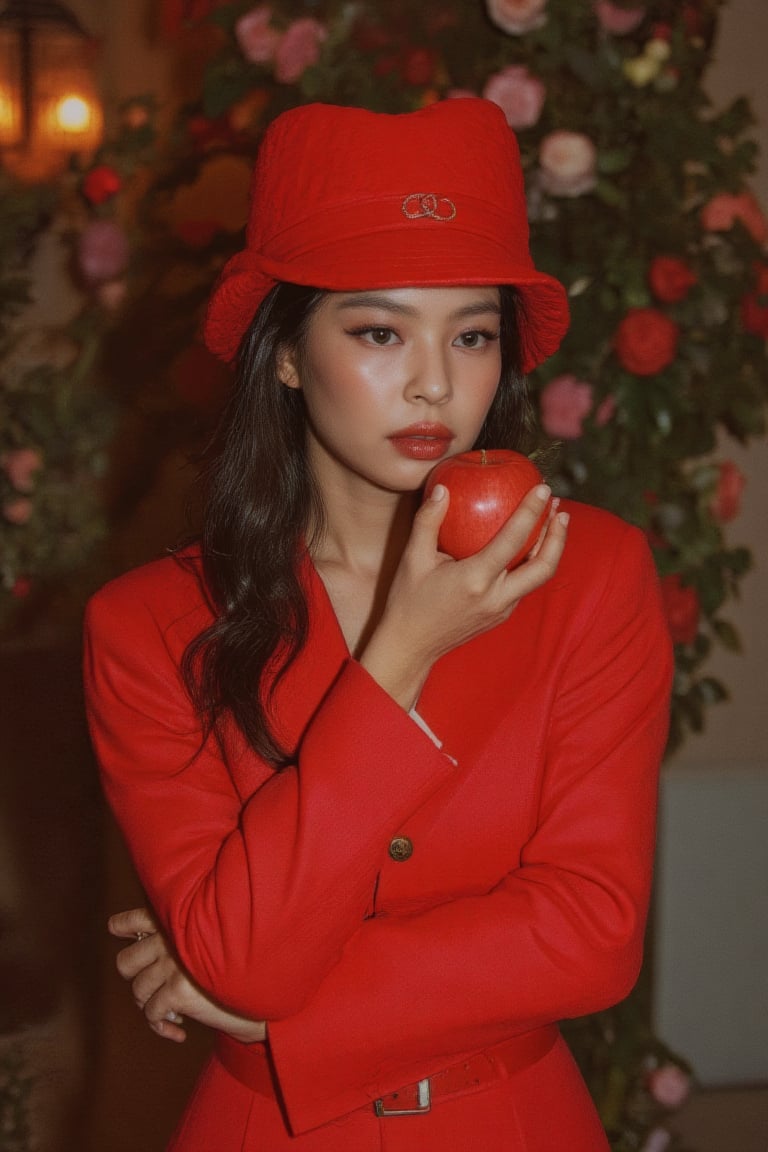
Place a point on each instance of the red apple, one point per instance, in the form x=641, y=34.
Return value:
x=485, y=486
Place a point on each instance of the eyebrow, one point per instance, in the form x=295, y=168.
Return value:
x=371, y=300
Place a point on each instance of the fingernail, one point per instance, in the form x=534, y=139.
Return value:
x=438, y=492
x=543, y=491
x=563, y=518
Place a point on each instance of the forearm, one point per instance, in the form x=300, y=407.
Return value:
x=257, y=906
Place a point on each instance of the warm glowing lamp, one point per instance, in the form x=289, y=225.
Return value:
x=49, y=106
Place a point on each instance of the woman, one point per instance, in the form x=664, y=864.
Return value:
x=393, y=812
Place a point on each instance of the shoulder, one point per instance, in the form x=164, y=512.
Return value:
x=596, y=536
x=166, y=596
x=605, y=559
x=596, y=527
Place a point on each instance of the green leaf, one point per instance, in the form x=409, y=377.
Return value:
x=727, y=635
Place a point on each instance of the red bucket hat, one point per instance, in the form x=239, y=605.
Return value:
x=344, y=199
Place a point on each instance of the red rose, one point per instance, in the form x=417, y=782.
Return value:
x=418, y=68
x=670, y=278
x=370, y=37
x=21, y=587
x=646, y=341
x=693, y=20
x=197, y=233
x=101, y=184
x=385, y=65
x=681, y=605
x=206, y=133
x=754, y=306
x=726, y=501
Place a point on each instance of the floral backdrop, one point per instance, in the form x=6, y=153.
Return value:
x=640, y=202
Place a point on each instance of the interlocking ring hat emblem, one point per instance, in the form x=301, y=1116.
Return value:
x=429, y=204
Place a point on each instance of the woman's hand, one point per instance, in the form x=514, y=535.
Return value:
x=435, y=603
x=163, y=990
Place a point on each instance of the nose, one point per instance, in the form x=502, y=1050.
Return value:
x=430, y=377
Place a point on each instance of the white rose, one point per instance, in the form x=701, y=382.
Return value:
x=517, y=16
x=567, y=163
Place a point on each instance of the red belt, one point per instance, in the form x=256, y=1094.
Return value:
x=251, y=1065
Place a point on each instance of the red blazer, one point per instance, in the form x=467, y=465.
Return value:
x=525, y=897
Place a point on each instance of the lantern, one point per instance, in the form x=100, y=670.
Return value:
x=49, y=107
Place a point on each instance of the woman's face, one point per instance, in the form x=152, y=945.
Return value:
x=394, y=380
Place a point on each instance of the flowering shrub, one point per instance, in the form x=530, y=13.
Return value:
x=56, y=419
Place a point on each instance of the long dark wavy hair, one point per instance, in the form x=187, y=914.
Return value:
x=262, y=502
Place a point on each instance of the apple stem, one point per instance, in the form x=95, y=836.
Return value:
x=482, y=456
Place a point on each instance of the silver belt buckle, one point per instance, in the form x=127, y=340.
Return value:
x=424, y=1105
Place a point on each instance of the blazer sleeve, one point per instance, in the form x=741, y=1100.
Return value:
x=259, y=897
x=560, y=936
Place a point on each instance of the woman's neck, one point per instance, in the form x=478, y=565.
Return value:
x=357, y=556
x=366, y=533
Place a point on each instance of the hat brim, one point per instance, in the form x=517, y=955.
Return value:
x=247, y=279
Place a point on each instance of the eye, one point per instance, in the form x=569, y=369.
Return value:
x=377, y=334
x=476, y=338
x=381, y=335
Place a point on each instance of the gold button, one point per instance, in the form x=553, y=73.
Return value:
x=401, y=848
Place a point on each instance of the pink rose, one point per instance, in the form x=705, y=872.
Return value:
x=726, y=501
x=669, y=1085
x=517, y=16
x=618, y=21
x=298, y=49
x=18, y=511
x=256, y=39
x=722, y=212
x=519, y=94
x=20, y=466
x=657, y=1140
x=112, y=294
x=567, y=161
x=605, y=411
x=565, y=401
x=102, y=251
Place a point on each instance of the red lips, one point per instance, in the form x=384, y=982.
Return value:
x=422, y=441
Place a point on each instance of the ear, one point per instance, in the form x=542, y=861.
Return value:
x=287, y=368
